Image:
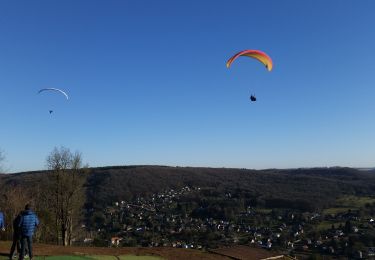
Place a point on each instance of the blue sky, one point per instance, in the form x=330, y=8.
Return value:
x=148, y=83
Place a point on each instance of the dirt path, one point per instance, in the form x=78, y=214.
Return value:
x=165, y=252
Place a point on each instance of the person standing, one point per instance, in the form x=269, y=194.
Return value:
x=29, y=221
x=16, y=236
x=2, y=222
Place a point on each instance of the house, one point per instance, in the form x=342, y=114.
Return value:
x=115, y=241
x=88, y=240
x=339, y=232
x=371, y=251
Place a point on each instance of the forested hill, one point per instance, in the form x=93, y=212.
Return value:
x=307, y=188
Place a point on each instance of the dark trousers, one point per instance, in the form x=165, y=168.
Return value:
x=29, y=241
x=15, y=244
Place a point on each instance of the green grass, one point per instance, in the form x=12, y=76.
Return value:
x=103, y=257
x=346, y=203
x=263, y=210
x=354, y=201
x=134, y=257
x=325, y=225
x=334, y=211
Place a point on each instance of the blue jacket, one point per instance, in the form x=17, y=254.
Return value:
x=28, y=223
x=2, y=223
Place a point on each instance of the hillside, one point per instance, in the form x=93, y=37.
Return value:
x=207, y=209
x=318, y=187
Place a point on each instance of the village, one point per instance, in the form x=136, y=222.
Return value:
x=167, y=219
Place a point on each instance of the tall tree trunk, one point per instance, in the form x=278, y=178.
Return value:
x=57, y=230
x=70, y=231
x=57, y=186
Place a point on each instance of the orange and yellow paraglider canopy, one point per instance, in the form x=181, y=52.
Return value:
x=259, y=55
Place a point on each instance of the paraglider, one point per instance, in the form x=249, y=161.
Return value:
x=54, y=89
x=259, y=55
x=253, y=98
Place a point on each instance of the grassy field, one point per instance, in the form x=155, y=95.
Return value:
x=334, y=211
x=343, y=205
x=354, y=201
x=324, y=225
x=264, y=210
x=346, y=203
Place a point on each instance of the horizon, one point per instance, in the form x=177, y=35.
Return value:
x=148, y=83
x=207, y=167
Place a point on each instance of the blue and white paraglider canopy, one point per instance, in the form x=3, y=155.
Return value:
x=54, y=89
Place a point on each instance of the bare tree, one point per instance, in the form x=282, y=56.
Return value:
x=66, y=179
x=2, y=158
